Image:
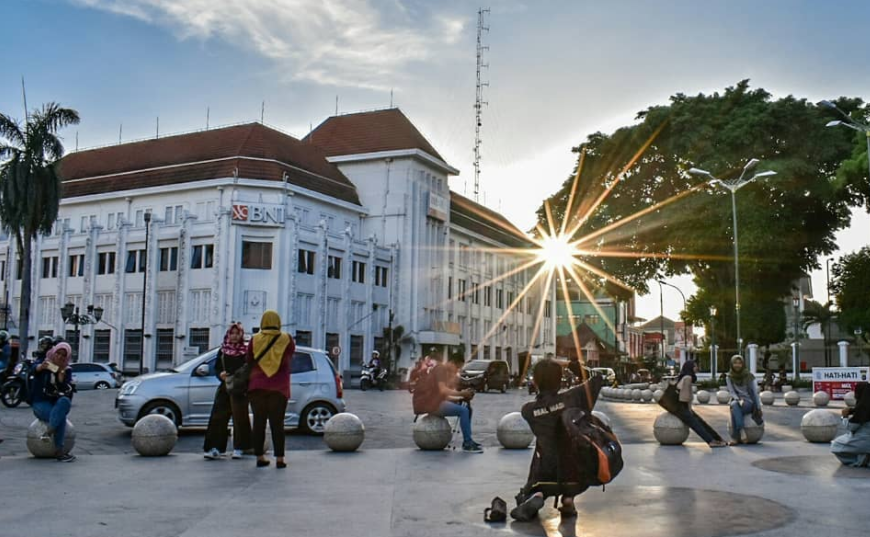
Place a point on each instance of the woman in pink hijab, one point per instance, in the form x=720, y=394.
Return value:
x=52, y=393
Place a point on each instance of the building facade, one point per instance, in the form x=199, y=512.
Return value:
x=246, y=218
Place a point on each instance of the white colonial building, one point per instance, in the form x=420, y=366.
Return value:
x=336, y=232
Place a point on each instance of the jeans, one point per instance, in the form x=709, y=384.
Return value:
x=688, y=417
x=738, y=416
x=225, y=406
x=55, y=415
x=268, y=405
x=448, y=408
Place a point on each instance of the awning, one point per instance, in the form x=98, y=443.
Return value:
x=430, y=337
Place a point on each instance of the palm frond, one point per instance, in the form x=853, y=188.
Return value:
x=11, y=130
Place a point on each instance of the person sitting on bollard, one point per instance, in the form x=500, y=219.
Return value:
x=743, y=388
x=436, y=394
x=853, y=448
x=688, y=376
x=555, y=469
x=231, y=356
x=781, y=379
x=51, y=393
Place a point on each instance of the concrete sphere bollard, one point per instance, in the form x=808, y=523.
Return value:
x=646, y=395
x=635, y=395
x=669, y=430
x=154, y=436
x=821, y=398
x=513, y=432
x=344, y=432
x=786, y=388
x=603, y=417
x=723, y=397
x=703, y=397
x=45, y=450
x=819, y=425
x=754, y=432
x=850, y=399
x=767, y=397
x=658, y=395
x=432, y=433
x=792, y=398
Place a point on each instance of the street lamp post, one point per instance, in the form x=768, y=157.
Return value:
x=858, y=333
x=849, y=122
x=71, y=315
x=796, y=302
x=714, y=356
x=662, y=322
x=147, y=217
x=733, y=186
x=685, y=324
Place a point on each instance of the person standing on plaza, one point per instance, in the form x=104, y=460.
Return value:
x=231, y=356
x=853, y=448
x=687, y=377
x=269, y=355
x=742, y=386
x=52, y=393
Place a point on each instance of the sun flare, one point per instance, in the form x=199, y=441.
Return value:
x=556, y=252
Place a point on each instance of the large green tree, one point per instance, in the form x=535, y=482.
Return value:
x=851, y=287
x=30, y=187
x=823, y=315
x=785, y=222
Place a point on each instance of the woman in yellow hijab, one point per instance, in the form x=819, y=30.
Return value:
x=269, y=354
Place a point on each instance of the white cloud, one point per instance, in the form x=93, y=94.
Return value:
x=357, y=43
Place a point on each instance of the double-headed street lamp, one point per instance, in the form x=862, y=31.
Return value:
x=849, y=122
x=733, y=186
x=796, y=302
x=714, y=356
x=685, y=324
x=71, y=315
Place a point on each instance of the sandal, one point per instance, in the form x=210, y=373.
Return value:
x=263, y=464
x=718, y=444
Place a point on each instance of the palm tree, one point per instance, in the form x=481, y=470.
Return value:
x=822, y=314
x=30, y=186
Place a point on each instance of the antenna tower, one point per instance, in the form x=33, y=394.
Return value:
x=478, y=101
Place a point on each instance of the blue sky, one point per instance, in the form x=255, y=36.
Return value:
x=558, y=71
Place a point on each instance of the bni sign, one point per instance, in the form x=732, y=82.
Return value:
x=258, y=214
x=838, y=381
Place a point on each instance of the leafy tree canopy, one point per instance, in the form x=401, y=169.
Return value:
x=851, y=287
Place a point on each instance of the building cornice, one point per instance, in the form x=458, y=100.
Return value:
x=398, y=153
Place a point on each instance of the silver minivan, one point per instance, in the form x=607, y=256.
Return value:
x=186, y=393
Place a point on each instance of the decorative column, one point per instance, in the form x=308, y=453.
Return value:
x=87, y=331
x=182, y=288
x=368, y=340
x=753, y=357
x=149, y=301
x=344, y=305
x=794, y=361
x=844, y=353
x=219, y=300
x=287, y=269
x=291, y=298
x=320, y=279
x=119, y=297
x=62, y=271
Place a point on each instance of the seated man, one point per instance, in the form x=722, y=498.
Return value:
x=555, y=468
x=436, y=394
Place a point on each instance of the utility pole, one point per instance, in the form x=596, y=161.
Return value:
x=478, y=101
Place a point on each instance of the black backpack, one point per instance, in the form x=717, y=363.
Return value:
x=595, y=445
x=426, y=397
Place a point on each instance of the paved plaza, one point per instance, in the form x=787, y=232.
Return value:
x=781, y=487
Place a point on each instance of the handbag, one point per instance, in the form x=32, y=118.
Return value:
x=237, y=383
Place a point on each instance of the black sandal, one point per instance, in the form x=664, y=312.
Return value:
x=280, y=465
x=263, y=464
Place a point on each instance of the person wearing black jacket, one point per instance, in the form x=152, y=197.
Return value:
x=231, y=357
x=555, y=468
x=52, y=392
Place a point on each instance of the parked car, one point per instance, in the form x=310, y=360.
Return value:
x=186, y=393
x=568, y=378
x=608, y=374
x=94, y=376
x=485, y=375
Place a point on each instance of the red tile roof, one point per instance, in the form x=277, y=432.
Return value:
x=369, y=132
x=477, y=218
x=257, y=151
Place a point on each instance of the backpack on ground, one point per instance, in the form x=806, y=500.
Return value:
x=426, y=397
x=598, y=450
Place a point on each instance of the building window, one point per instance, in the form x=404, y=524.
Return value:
x=49, y=267
x=487, y=296
x=475, y=295
x=510, y=299
x=306, y=262
x=257, y=255
x=381, y=276
x=303, y=338
x=199, y=339
x=356, y=350
x=173, y=214
x=333, y=268
x=463, y=255
x=140, y=217
x=2, y=270
x=461, y=290
x=135, y=261
x=547, y=312
x=70, y=337
x=165, y=348
x=132, y=349
x=76, y=265
x=202, y=256
x=359, y=272
x=102, y=346
x=168, y=259
x=106, y=263
x=499, y=299
x=449, y=287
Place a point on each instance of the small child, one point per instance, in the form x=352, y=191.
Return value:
x=555, y=469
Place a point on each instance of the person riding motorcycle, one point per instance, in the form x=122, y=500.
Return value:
x=5, y=351
x=375, y=364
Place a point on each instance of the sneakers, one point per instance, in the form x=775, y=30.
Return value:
x=744, y=438
x=237, y=454
x=528, y=510
x=472, y=447
x=66, y=457
x=46, y=436
x=213, y=454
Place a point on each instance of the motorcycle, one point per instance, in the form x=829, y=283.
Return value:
x=368, y=379
x=14, y=390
